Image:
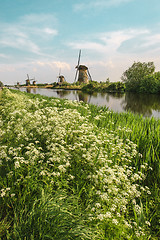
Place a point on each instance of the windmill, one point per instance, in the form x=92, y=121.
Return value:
x=28, y=80
x=84, y=74
x=61, y=78
x=18, y=84
x=34, y=81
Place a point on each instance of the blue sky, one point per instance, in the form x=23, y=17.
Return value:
x=40, y=37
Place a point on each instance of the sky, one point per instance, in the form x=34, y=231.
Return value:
x=42, y=38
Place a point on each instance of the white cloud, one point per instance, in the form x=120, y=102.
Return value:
x=109, y=42
x=87, y=45
x=54, y=64
x=50, y=31
x=20, y=43
x=38, y=19
x=111, y=53
x=28, y=34
x=4, y=56
x=6, y=68
x=99, y=4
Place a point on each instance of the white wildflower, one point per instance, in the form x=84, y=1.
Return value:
x=148, y=223
x=61, y=168
x=3, y=194
x=17, y=164
x=115, y=221
x=98, y=205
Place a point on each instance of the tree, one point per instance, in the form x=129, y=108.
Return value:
x=151, y=83
x=136, y=73
x=1, y=84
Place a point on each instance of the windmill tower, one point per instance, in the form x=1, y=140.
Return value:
x=61, y=78
x=27, y=81
x=82, y=72
x=34, y=82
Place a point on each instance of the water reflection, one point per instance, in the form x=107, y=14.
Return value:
x=110, y=96
x=141, y=103
x=116, y=95
x=83, y=97
x=62, y=94
x=146, y=104
x=28, y=90
x=34, y=90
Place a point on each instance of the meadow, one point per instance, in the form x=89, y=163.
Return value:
x=69, y=170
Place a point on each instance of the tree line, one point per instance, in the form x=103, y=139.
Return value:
x=142, y=78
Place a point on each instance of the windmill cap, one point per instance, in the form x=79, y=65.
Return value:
x=82, y=67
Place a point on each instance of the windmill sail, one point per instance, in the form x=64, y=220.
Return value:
x=78, y=65
x=89, y=75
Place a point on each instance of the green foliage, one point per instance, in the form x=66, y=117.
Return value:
x=65, y=84
x=74, y=171
x=107, y=86
x=134, y=76
x=1, y=84
x=54, y=84
x=52, y=217
x=116, y=86
x=150, y=83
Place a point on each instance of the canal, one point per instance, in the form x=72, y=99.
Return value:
x=146, y=104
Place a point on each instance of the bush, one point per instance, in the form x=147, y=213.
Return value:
x=136, y=74
x=1, y=84
x=150, y=83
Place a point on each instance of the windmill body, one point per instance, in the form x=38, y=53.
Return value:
x=61, y=79
x=34, y=83
x=82, y=72
x=27, y=82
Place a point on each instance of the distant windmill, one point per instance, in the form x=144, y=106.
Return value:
x=82, y=72
x=34, y=81
x=28, y=83
x=61, y=78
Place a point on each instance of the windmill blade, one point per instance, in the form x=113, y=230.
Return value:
x=77, y=65
x=89, y=75
x=59, y=71
x=76, y=74
x=89, y=98
x=79, y=58
x=28, y=76
x=59, y=75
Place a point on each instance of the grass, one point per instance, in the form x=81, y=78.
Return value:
x=69, y=170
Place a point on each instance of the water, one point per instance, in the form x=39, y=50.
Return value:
x=146, y=104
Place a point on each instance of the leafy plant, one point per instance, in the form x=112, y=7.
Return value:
x=135, y=74
x=70, y=170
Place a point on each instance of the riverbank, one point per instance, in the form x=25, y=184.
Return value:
x=94, y=86
x=147, y=105
x=76, y=171
x=91, y=87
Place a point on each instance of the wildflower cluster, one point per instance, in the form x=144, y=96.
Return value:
x=50, y=145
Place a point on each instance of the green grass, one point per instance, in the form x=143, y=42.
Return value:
x=69, y=170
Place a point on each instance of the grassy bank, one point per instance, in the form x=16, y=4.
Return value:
x=74, y=171
x=93, y=86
